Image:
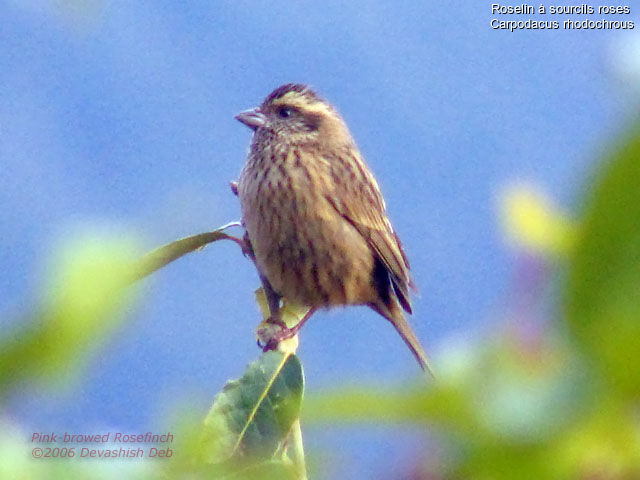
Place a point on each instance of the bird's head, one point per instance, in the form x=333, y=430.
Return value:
x=295, y=113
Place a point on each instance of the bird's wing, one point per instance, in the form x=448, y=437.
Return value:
x=356, y=197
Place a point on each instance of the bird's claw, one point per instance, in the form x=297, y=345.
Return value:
x=272, y=332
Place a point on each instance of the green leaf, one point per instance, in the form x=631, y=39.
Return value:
x=166, y=254
x=264, y=470
x=603, y=290
x=252, y=417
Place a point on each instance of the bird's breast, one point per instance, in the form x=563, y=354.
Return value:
x=309, y=253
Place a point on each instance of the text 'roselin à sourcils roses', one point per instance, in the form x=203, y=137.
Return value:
x=561, y=17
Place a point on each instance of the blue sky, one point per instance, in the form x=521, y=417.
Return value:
x=120, y=114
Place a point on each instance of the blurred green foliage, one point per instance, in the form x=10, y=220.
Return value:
x=86, y=294
x=603, y=289
x=552, y=391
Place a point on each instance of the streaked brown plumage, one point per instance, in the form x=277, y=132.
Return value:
x=314, y=214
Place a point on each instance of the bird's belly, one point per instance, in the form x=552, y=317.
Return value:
x=308, y=252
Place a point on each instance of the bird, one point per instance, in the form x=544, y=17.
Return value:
x=315, y=218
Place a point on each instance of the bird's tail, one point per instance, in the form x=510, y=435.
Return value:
x=400, y=323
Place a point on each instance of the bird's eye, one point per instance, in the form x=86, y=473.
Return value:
x=284, y=112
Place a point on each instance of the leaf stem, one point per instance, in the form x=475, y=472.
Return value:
x=297, y=450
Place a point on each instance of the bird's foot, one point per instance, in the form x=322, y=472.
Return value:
x=278, y=337
x=273, y=331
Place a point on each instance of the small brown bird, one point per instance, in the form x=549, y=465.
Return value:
x=314, y=214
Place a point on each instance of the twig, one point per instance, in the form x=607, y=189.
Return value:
x=297, y=451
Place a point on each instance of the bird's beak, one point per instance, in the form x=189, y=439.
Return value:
x=253, y=118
